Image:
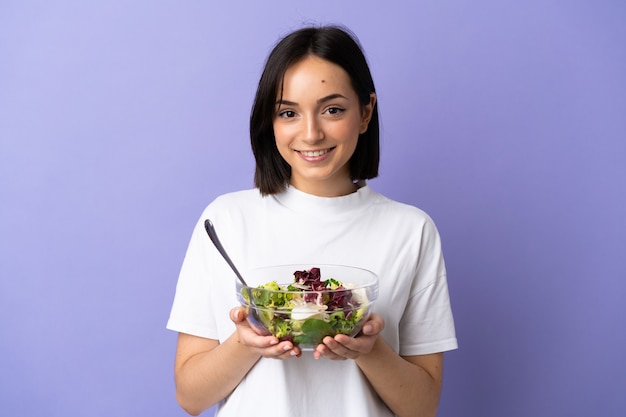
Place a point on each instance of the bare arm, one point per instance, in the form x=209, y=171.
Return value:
x=409, y=386
x=207, y=371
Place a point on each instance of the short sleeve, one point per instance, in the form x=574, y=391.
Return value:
x=427, y=325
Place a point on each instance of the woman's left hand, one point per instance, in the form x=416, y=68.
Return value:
x=343, y=347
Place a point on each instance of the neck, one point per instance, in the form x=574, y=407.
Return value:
x=323, y=189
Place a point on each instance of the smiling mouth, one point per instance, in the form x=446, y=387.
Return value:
x=313, y=154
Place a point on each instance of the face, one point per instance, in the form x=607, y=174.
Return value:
x=317, y=126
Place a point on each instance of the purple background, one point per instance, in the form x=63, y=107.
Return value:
x=120, y=121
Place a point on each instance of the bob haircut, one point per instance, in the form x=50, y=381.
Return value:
x=336, y=45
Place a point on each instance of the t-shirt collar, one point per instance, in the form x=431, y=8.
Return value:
x=348, y=204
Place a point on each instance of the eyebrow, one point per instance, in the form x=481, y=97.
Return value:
x=320, y=101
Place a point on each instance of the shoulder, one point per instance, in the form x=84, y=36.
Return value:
x=400, y=211
x=403, y=221
x=235, y=206
x=234, y=200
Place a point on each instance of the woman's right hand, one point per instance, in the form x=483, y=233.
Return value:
x=266, y=346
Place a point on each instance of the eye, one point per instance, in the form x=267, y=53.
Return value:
x=286, y=114
x=334, y=111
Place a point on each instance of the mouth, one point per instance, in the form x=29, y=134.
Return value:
x=315, y=154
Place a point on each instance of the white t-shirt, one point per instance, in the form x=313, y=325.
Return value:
x=365, y=229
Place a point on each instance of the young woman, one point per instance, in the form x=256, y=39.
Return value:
x=314, y=133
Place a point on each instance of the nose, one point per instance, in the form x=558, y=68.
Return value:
x=313, y=130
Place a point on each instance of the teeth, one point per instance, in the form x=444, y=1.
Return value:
x=315, y=153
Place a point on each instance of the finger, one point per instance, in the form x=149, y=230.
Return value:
x=291, y=353
x=374, y=325
x=282, y=351
x=368, y=329
x=327, y=354
x=337, y=350
x=250, y=338
x=357, y=345
x=237, y=314
x=322, y=351
x=349, y=342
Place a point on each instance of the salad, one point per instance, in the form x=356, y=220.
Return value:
x=308, y=309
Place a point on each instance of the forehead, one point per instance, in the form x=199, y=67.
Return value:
x=313, y=72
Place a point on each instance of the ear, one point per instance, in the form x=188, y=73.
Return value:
x=366, y=113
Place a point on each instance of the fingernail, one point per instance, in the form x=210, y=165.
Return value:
x=286, y=348
x=273, y=342
x=367, y=329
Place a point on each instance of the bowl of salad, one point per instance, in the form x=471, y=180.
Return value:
x=305, y=303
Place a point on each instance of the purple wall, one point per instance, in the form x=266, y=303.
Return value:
x=119, y=121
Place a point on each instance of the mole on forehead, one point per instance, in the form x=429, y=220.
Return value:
x=323, y=81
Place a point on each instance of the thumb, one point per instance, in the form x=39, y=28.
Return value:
x=374, y=325
x=237, y=314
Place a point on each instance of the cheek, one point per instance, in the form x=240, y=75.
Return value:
x=279, y=137
x=281, y=133
x=347, y=132
x=282, y=142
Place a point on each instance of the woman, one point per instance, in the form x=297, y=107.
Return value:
x=314, y=133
